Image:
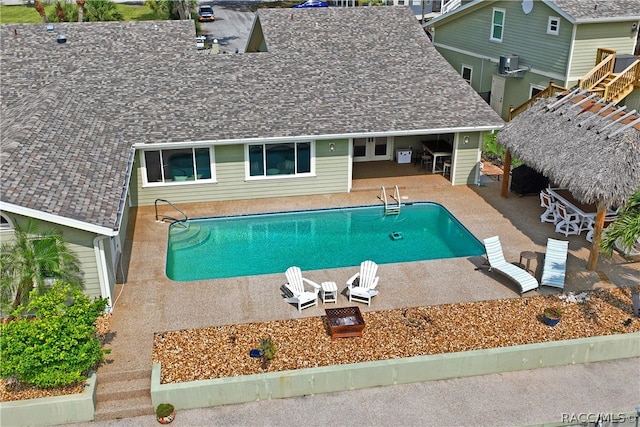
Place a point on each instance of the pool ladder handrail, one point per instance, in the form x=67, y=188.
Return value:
x=390, y=209
x=162, y=218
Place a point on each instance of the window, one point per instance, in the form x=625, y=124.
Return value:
x=497, y=25
x=534, y=90
x=5, y=224
x=553, y=27
x=178, y=165
x=466, y=73
x=292, y=158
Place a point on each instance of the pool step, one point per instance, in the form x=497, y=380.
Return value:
x=186, y=235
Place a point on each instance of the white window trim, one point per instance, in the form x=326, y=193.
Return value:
x=8, y=225
x=247, y=165
x=493, y=24
x=143, y=168
x=532, y=86
x=557, y=30
x=470, y=68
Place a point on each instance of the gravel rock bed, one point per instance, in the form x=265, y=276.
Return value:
x=217, y=352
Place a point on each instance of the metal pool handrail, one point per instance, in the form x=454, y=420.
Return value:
x=168, y=217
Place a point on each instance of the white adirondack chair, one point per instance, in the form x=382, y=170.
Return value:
x=302, y=297
x=363, y=289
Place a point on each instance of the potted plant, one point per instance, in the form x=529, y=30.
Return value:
x=551, y=316
x=165, y=413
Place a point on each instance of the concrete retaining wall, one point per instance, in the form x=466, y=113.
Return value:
x=327, y=379
x=73, y=408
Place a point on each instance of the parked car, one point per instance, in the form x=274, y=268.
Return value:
x=205, y=13
x=312, y=3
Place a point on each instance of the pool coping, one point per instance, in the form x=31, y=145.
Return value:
x=337, y=378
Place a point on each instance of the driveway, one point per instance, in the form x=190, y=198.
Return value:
x=232, y=25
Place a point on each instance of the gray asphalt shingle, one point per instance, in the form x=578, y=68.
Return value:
x=72, y=111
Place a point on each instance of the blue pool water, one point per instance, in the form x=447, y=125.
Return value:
x=212, y=248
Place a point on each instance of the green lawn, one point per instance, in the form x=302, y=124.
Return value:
x=27, y=14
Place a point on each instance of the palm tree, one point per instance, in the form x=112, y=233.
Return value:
x=29, y=259
x=80, y=4
x=101, y=10
x=626, y=229
x=39, y=6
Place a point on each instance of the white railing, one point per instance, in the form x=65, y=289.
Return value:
x=449, y=5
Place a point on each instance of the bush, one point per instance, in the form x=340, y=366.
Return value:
x=57, y=345
x=495, y=152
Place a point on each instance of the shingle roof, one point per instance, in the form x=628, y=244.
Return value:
x=72, y=111
x=584, y=10
x=577, y=11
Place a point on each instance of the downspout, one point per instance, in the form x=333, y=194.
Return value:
x=103, y=272
x=570, y=59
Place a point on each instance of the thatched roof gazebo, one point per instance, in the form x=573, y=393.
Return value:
x=581, y=143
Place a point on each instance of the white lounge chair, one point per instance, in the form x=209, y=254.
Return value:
x=301, y=297
x=555, y=263
x=495, y=256
x=363, y=289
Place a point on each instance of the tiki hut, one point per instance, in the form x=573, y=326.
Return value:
x=581, y=143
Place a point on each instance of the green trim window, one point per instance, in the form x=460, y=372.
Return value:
x=497, y=25
x=178, y=165
x=290, y=158
x=553, y=26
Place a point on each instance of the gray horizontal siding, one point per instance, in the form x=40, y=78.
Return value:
x=331, y=177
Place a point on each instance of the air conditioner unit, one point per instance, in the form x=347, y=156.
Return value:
x=508, y=66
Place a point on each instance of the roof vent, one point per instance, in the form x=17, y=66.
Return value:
x=49, y=28
x=61, y=38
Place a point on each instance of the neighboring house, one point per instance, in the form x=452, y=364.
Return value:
x=510, y=50
x=124, y=113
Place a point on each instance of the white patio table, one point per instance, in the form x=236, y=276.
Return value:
x=437, y=149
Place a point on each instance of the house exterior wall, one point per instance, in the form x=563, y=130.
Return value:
x=525, y=35
x=632, y=101
x=466, y=158
x=465, y=41
x=78, y=241
x=589, y=37
x=331, y=177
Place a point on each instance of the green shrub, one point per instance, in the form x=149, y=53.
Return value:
x=494, y=151
x=57, y=346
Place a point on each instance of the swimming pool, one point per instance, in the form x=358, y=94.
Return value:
x=212, y=248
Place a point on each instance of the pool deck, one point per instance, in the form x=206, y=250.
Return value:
x=149, y=302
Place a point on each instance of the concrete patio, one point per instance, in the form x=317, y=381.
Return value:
x=149, y=302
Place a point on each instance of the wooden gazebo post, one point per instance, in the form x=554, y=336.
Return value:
x=597, y=236
x=506, y=173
